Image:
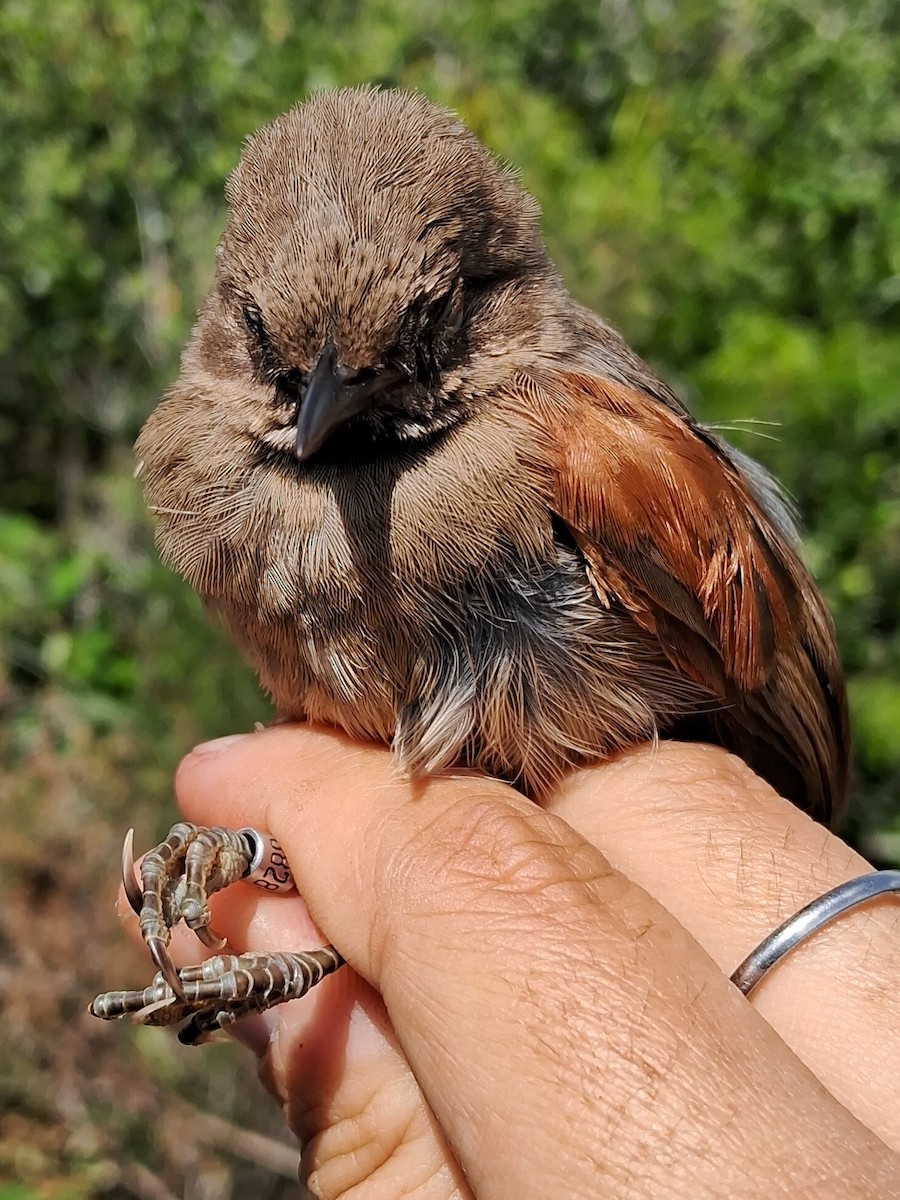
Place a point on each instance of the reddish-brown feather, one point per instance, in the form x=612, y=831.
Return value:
x=671, y=529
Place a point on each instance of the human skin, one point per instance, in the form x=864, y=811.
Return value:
x=537, y=1003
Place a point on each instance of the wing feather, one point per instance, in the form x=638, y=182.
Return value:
x=673, y=528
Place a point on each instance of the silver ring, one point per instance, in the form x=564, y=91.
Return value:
x=810, y=920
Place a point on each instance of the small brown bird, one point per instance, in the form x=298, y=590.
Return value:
x=443, y=506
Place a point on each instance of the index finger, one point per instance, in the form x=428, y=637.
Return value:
x=731, y=860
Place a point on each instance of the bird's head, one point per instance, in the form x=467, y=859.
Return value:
x=380, y=271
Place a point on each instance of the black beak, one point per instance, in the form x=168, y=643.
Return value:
x=333, y=395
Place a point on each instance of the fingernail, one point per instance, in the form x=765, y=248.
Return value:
x=216, y=746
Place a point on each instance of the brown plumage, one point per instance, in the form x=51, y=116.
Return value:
x=443, y=506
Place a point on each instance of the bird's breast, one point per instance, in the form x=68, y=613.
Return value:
x=433, y=603
x=336, y=573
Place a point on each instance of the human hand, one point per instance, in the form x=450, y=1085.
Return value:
x=531, y=1014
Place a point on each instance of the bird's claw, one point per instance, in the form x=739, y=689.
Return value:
x=160, y=954
x=176, y=881
x=217, y=992
x=129, y=882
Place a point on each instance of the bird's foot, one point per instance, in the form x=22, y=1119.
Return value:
x=217, y=992
x=177, y=879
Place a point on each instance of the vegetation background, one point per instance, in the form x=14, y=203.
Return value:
x=718, y=177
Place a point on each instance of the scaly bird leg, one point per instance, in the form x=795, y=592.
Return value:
x=177, y=879
x=217, y=992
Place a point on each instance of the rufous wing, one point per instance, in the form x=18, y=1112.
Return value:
x=676, y=531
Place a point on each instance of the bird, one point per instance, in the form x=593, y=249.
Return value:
x=441, y=505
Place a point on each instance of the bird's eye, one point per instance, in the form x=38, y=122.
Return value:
x=444, y=314
x=363, y=376
x=252, y=318
x=403, y=363
x=289, y=387
x=443, y=307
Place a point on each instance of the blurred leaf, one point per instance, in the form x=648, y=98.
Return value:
x=876, y=710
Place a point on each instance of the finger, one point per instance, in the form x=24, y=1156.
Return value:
x=731, y=860
x=559, y=1021
x=368, y=1124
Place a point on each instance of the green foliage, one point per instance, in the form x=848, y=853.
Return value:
x=718, y=177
